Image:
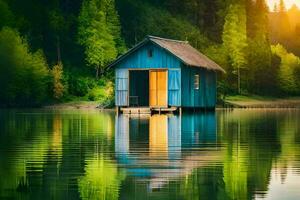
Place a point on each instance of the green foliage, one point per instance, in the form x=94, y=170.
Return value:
x=78, y=85
x=284, y=27
x=113, y=23
x=257, y=20
x=228, y=80
x=23, y=75
x=57, y=75
x=6, y=16
x=103, y=93
x=235, y=36
x=98, y=32
x=261, y=76
x=86, y=88
x=141, y=19
x=289, y=70
x=235, y=39
x=92, y=33
x=56, y=21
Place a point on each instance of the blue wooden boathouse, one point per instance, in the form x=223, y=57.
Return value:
x=160, y=73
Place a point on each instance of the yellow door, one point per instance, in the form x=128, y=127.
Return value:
x=158, y=88
x=152, y=88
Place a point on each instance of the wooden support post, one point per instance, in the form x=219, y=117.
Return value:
x=117, y=110
x=180, y=110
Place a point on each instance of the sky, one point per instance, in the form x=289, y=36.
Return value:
x=288, y=3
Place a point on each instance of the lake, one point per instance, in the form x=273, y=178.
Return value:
x=89, y=154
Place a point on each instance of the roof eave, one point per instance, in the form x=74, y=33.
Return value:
x=133, y=49
x=208, y=68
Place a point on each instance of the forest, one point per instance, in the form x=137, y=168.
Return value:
x=58, y=50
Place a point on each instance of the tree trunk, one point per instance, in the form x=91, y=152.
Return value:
x=97, y=72
x=239, y=81
x=102, y=71
x=58, y=49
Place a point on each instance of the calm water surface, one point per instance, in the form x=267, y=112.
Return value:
x=239, y=154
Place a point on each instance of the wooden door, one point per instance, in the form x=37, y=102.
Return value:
x=158, y=89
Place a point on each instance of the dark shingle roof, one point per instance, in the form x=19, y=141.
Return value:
x=181, y=49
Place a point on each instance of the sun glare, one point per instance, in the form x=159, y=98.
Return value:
x=288, y=3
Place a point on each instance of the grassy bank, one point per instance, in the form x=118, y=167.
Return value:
x=253, y=101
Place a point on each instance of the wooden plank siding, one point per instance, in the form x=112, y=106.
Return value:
x=161, y=59
x=174, y=87
x=180, y=79
x=139, y=60
x=203, y=97
x=121, y=87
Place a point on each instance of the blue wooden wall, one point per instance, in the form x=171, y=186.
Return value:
x=205, y=96
x=121, y=87
x=181, y=90
x=174, y=87
x=139, y=59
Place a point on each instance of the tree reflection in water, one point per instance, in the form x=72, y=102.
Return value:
x=239, y=154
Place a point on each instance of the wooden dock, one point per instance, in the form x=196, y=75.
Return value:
x=147, y=110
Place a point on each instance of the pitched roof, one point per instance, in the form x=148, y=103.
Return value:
x=180, y=49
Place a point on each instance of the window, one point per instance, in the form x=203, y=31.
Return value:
x=196, y=81
x=150, y=53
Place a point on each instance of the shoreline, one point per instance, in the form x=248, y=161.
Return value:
x=79, y=105
x=261, y=102
x=241, y=102
x=231, y=102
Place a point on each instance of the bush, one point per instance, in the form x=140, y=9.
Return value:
x=88, y=88
x=104, y=94
x=57, y=75
x=78, y=86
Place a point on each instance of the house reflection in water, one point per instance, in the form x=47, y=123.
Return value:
x=161, y=148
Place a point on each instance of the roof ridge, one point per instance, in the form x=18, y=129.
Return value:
x=166, y=39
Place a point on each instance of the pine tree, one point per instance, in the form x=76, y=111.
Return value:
x=275, y=9
x=6, y=16
x=113, y=23
x=235, y=38
x=258, y=51
x=284, y=22
x=288, y=76
x=95, y=36
x=282, y=7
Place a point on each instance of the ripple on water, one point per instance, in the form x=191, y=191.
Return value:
x=241, y=154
